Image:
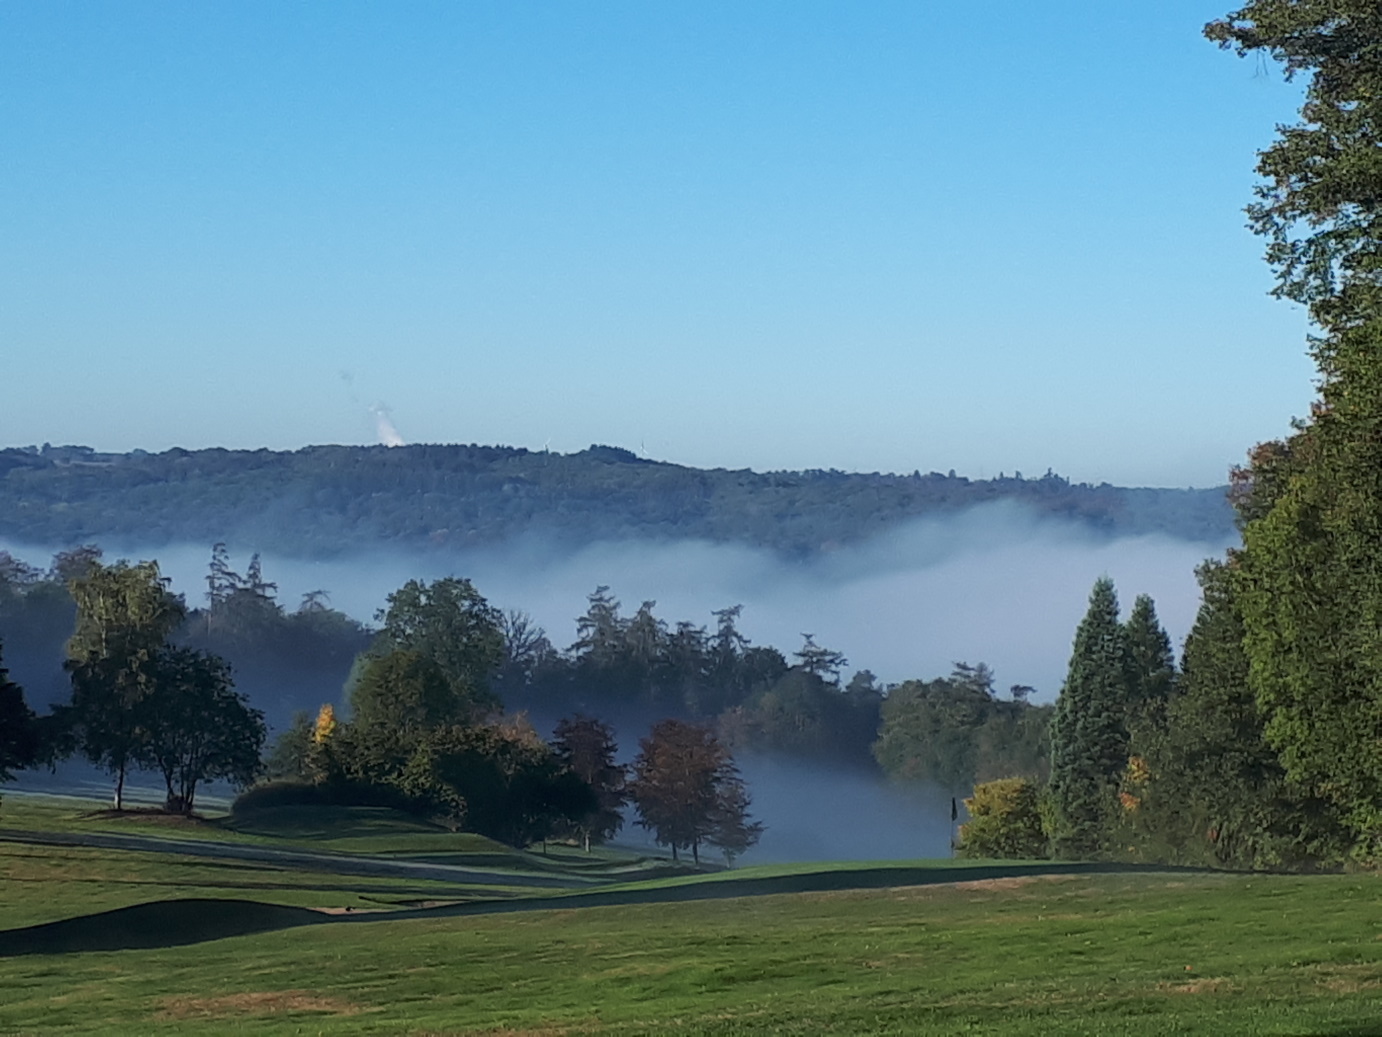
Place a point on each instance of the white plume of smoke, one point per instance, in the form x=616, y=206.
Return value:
x=383, y=423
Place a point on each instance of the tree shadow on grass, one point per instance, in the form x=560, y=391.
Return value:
x=424, y=892
x=172, y=923
x=163, y=923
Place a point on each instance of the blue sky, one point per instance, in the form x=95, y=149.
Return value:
x=875, y=236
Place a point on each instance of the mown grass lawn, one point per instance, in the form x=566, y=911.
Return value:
x=333, y=829
x=369, y=831
x=1091, y=954
x=46, y=883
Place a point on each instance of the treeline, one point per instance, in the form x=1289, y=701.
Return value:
x=1265, y=749
x=1154, y=762
x=438, y=699
x=334, y=500
x=423, y=734
x=948, y=731
x=631, y=669
x=285, y=659
x=137, y=701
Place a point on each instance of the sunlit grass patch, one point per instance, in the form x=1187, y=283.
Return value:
x=1139, y=954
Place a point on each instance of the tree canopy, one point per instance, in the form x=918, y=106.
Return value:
x=687, y=790
x=198, y=728
x=450, y=623
x=124, y=616
x=1308, y=580
x=19, y=733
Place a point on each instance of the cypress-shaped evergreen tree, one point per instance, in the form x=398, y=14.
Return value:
x=1217, y=793
x=1151, y=662
x=1089, y=737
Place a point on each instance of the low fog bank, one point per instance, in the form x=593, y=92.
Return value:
x=78, y=778
x=812, y=812
x=993, y=584
x=822, y=814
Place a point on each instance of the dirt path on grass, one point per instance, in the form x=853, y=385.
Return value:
x=334, y=863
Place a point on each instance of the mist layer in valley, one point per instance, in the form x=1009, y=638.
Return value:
x=994, y=584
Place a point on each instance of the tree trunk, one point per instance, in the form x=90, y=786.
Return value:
x=696, y=852
x=674, y=851
x=120, y=787
x=189, y=790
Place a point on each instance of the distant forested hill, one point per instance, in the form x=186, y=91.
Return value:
x=328, y=500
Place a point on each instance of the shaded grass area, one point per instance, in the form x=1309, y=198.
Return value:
x=353, y=829
x=1083, y=954
x=337, y=829
x=359, y=831
x=46, y=883
x=191, y=920
x=161, y=923
x=52, y=883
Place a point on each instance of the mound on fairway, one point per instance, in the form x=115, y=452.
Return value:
x=314, y=821
x=163, y=923
x=178, y=922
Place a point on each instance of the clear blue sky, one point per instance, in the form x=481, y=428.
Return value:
x=873, y=236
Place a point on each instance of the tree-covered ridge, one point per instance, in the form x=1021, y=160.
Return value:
x=325, y=500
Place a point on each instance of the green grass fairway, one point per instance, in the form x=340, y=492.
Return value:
x=926, y=947
x=1092, y=954
x=364, y=831
x=41, y=884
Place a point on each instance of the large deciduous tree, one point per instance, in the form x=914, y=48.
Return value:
x=406, y=692
x=500, y=780
x=124, y=615
x=954, y=731
x=449, y=622
x=1309, y=579
x=586, y=747
x=198, y=727
x=688, y=791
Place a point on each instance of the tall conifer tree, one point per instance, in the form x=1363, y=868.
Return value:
x=1309, y=580
x=1089, y=737
x=1151, y=663
x=1150, y=667
x=1218, y=794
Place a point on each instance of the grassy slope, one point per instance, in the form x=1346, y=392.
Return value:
x=1093, y=954
x=333, y=829
x=372, y=831
x=47, y=883
x=1110, y=953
